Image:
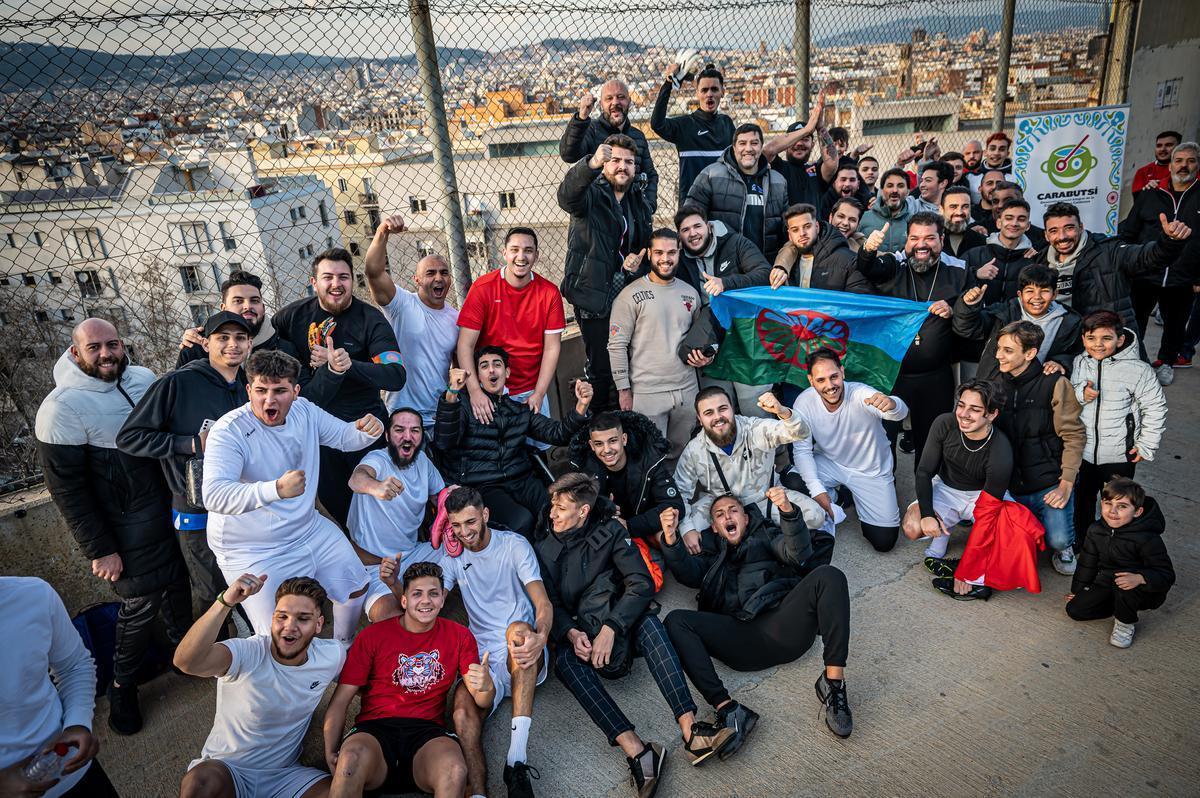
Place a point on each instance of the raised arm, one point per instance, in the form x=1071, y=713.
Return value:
x=379, y=282
x=666, y=127
x=573, y=190
x=794, y=546
x=570, y=146
x=199, y=653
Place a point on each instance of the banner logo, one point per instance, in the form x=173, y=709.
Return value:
x=1068, y=166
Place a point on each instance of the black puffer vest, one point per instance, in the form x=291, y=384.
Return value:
x=1027, y=420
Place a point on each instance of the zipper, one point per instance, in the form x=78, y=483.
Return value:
x=1174, y=215
x=646, y=482
x=127, y=397
x=1096, y=425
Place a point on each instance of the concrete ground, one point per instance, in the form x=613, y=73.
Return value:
x=1008, y=697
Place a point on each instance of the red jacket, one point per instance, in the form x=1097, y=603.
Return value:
x=1151, y=171
x=1003, y=546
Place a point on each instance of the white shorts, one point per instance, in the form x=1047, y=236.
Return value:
x=874, y=497
x=498, y=667
x=324, y=554
x=951, y=504
x=289, y=782
x=376, y=589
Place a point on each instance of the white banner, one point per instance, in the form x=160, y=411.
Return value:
x=1073, y=156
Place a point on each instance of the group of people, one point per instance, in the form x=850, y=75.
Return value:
x=373, y=457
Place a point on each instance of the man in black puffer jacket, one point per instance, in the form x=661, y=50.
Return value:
x=584, y=133
x=610, y=228
x=825, y=258
x=997, y=264
x=760, y=606
x=604, y=614
x=116, y=506
x=627, y=455
x=493, y=457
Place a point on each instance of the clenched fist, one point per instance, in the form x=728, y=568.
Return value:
x=880, y=401
x=387, y=489
x=457, y=379
x=370, y=425
x=586, y=102
x=668, y=519
x=778, y=497
x=290, y=485
x=769, y=404
x=583, y=396
x=602, y=156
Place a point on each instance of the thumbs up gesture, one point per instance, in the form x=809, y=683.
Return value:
x=633, y=260
x=712, y=285
x=1175, y=230
x=875, y=240
x=1089, y=392
x=478, y=678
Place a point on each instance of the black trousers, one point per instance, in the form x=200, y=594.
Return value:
x=94, y=784
x=135, y=626
x=1092, y=478
x=333, y=488
x=598, y=370
x=1175, y=305
x=519, y=505
x=206, y=578
x=927, y=395
x=1097, y=601
x=819, y=605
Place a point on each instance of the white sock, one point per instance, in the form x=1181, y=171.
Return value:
x=520, y=739
x=345, y=618
x=937, y=546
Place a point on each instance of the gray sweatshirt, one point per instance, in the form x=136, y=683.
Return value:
x=647, y=324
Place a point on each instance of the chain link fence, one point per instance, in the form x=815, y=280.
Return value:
x=151, y=148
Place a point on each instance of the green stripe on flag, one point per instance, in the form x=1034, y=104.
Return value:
x=744, y=358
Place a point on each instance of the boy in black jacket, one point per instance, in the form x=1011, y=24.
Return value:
x=604, y=614
x=759, y=607
x=1124, y=566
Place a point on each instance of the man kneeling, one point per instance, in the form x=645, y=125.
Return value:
x=405, y=668
x=759, y=607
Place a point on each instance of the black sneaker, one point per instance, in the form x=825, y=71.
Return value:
x=941, y=567
x=837, y=709
x=706, y=740
x=741, y=720
x=124, y=714
x=647, y=769
x=516, y=780
x=977, y=592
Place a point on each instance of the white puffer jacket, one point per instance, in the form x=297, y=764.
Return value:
x=1131, y=409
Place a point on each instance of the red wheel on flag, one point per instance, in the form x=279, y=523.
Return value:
x=790, y=337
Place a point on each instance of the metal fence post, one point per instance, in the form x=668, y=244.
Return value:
x=443, y=155
x=1006, y=37
x=800, y=47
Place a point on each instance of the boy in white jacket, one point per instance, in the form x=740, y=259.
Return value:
x=261, y=469
x=1124, y=410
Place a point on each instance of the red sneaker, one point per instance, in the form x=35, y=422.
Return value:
x=1182, y=362
x=1156, y=364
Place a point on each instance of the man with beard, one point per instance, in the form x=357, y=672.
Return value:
x=744, y=192
x=492, y=457
x=959, y=238
x=584, y=134
x=606, y=244
x=1157, y=171
x=1175, y=199
x=171, y=422
x=981, y=211
x=701, y=136
x=426, y=327
x=817, y=255
x=1004, y=192
x=393, y=489
x=891, y=212
x=996, y=265
x=348, y=354
x=736, y=454
x=650, y=319
x=788, y=155
x=241, y=293
x=116, y=506
x=848, y=446
x=926, y=379
x=972, y=156
x=261, y=469
x=520, y=311
x=268, y=687
x=509, y=614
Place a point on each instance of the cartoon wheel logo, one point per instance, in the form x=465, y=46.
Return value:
x=790, y=337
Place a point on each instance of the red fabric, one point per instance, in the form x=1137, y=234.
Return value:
x=1151, y=171
x=441, y=529
x=515, y=320
x=1003, y=546
x=408, y=675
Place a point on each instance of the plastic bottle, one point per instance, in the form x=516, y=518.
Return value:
x=49, y=765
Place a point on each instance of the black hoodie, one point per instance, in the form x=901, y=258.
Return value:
x=1136, y=547
x=165, y=424
x=835, y=265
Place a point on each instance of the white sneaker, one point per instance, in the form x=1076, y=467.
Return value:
x=1064, y=561
x=1122, y=634
x=1165, y=374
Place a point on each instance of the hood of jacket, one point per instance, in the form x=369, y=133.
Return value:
x=604, y=511
x=1056, y=260
x=646, y=443
x=1150, y=522
x=1126, y=351
x=1008, y=253
x=206, y=370
x=1056, y=310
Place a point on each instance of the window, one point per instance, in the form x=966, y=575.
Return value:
x=86, y=244
x=417, y=204
x=3, y=318
x=55, y=278
x=342, y=186
x=227, y=236
x=65, y=314
x=367, y=187
x=373, y=220
x=424, y=248
x=200, y=313
x=323, y=209
x=328, y=242
x=4, y=281
x=476, y=249
x=235, y=266
x=309, y=250
x=10, y=240
x=301, y=253
x=302, y=212
x=190, y=277
x=89, y=284
x=508, y=200
x=193, y=238
x=292, y=213
x=37, y=239
x=351, y=217
x=41, y=316
x=28, y=279
x=354, y=248
x=361, y=279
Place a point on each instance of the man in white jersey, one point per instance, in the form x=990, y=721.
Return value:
x=426, y=326
x=268, y=686
x=392, y=488
x=510, y=615
x=261, y=469
x=848, y=446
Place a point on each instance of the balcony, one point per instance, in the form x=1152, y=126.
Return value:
x=368, y=198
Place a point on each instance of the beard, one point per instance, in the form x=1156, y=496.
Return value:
x=921, y=265
x=727, y=438
x=808, y=248
x=93, y=369
x=700, y=249
x=400, y=460
x=957, y=227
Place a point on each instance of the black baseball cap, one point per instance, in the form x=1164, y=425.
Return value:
x=217, y=320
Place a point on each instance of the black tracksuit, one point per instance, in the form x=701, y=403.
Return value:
x=699, y=137
x=375, y=366
x=835, y=265
x=759, y=606
x=1136, y=548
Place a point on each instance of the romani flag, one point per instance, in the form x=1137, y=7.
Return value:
x=770, y=332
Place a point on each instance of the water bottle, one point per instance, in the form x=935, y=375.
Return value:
x=49, y=765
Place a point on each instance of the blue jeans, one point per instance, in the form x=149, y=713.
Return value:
x=1059, y=524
